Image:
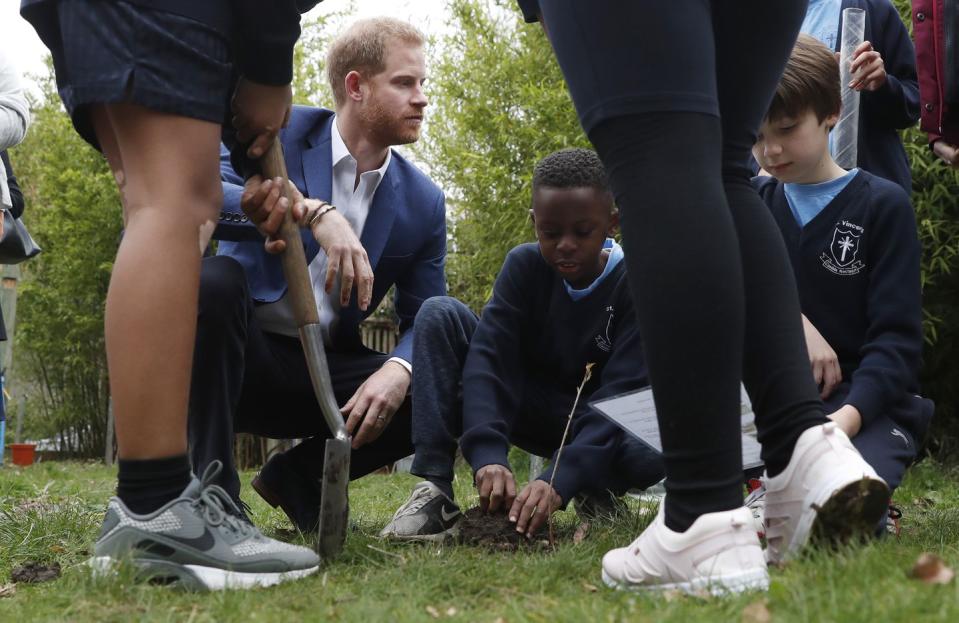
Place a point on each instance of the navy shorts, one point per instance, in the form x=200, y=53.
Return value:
x=112, y=51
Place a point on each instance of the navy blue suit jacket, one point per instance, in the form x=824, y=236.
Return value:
x=404, y=235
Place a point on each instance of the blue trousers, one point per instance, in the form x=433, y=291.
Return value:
x=444, y=328
x=890, y=442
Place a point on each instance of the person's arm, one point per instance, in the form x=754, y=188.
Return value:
x=233, y=224
x=894, y=104
x=16, y=195
x=493, y=375
x=373, y=405
x=266, y=34
x=263, y=50
x=14, y=108
x=949, y=154
x=823, y=359
x=425, y=278
x=891, y=353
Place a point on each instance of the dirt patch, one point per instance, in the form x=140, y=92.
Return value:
x=495, y=532
x=33, y=572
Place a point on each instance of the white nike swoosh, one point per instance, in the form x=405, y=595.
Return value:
x=447, y=517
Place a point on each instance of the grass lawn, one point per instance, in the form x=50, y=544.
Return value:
x=52, y=511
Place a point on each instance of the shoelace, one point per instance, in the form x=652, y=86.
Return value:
x=419, y=499
x=757, y=494
x=217, y=506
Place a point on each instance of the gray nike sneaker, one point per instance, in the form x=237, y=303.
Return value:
x=199, y=542
x=428, y=515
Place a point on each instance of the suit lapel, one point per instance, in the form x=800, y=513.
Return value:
x=379, y=222
x=376, y=231
x=318, y=163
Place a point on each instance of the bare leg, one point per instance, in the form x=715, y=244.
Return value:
x=166, y=169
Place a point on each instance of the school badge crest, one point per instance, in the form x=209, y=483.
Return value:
x=841, y=258
x=605, y=342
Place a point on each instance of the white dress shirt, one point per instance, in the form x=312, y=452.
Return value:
x=352, y=199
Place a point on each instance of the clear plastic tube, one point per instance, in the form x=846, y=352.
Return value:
x=846, y=133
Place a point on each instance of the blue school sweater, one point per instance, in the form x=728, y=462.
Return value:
x=895, y=106
x=532, y=327
x=262, y=33
x=857, y=268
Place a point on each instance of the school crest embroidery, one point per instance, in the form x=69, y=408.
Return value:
x=841, y=258
x=604, y=342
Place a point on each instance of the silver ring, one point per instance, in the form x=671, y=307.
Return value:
x=380, y=418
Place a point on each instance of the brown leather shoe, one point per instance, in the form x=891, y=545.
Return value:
x=281, y=485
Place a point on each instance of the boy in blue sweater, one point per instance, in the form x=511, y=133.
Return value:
x=511, y=377
x=852, y=240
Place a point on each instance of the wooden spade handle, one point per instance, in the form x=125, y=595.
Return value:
x=295, y=267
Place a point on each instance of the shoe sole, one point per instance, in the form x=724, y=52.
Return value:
x=850, y=510
x=273, y=500
x=196, y=577
x=754, y=580
x=448, y=534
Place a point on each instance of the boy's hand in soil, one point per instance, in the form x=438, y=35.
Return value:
x=496, y=487
x=533, y=506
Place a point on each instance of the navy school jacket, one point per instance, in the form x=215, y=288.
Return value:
x=532, y=332
x=857, y=269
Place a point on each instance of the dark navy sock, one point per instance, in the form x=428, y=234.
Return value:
x=146, y=485
x=444, y=485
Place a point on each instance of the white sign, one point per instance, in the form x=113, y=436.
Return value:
x=635, y=413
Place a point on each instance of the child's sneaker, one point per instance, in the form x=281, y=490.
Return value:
x=893, y=520
x=720, y=553
x=756, y=503
x=428, y=515
x=197, y=541
x=827, y=492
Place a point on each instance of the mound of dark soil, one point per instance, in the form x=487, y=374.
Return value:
x=495, y=532
x=35, y=572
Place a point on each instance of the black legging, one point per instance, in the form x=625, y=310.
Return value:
x=671, y=94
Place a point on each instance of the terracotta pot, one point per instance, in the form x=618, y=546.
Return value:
x=23, y=453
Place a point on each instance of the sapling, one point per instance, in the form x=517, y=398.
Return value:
x=588, y=374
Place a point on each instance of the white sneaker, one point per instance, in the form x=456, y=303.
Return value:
x=720, y=553
x=827, y=492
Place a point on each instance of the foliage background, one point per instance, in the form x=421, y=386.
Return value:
x=73, y=211
x=498, y=104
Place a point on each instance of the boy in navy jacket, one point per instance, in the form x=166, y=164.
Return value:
x=852, y=240
x=511, y=377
